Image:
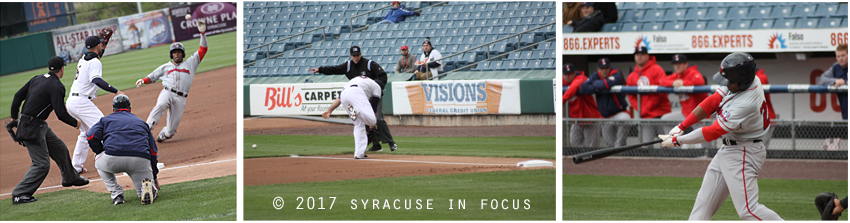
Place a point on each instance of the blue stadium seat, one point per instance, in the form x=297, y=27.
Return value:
x=717, y=25
x=784, y=23
x=738, y=12
x=843, y=22
x=260, y=63
x=830, y=23
x=631, y=16
x=781, y=12
x=654, y=5
x=482, y=66
x=514, y=56
x=696, y=13
x=740, y=24
x=842, y=11
x=674, y=26
x=635, y=5
x=675, y=14
x=521, y=64
x=538, y=54
x=807, y=23
x=612, y=27
x=632, y=27
x=826, y=9
x=653, y=15
x=621, y=14
x=804, y=10
x=694, y=5
x=719, y=13
x=675, y=5
x=494, y=65
x=762, y=24
x=652, y=26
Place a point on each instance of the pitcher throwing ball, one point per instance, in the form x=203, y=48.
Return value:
x=742, y=120
x=176, y=77
x=360, y=98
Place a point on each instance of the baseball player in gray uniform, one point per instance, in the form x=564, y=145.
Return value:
x=176, y=77
x=359, y=98
x=742, y=119
x=88, y=79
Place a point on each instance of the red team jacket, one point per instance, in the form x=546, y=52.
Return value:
x=691, y=77
x=581, y=106
x=763, y=78
x=655, y=104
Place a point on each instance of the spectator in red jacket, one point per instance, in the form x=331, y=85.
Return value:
x=580, y=106
x=684, y=75
x=652, y=105
x=767, y=136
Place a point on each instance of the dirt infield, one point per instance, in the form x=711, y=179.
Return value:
x=206, y=134
x=260, y=171
x=695, y=167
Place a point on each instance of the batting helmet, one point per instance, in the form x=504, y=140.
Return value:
x=736, y=68
x=176, y=46
x=120, y=102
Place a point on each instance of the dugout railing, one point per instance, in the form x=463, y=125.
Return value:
x=790, y=138
x=487, y=53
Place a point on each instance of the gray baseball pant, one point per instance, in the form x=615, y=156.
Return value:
x=136, y=167
x=584, y=135
x=48, y=146
x=615, y=133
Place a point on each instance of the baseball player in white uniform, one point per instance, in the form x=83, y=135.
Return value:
x=176, y=77
x=359, y=98
x=742, y=119
x=88, y=79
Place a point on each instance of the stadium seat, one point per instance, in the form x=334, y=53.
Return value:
x=653, y=15
x=719, y=13
x=762, y=24
x=826, y=9
x=674, y=26
x=696, y=13
x=843, y=22
x=612, y=27
x=740, y=24
x=652, y=26
x=482, y=66
x=631, y=16
x=674, y=5
x=260, y=63
x=842, y=11
x=781, y=12
x=632, y=27
x=807, y=23
x=520, y=64
x=784, y=23
x=675, y=14
x=830, y=23
x=804, y=10
x=738, y=12
x=717, y=25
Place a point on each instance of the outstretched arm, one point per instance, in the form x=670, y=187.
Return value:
x=203, y=50
x=327, y=114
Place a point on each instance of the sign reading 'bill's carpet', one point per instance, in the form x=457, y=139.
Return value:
x=294, y=99
x=456, y=97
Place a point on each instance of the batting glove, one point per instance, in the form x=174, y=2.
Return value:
x=140, y=82
x=202, y=26
x=669, y=141
x=676, y=131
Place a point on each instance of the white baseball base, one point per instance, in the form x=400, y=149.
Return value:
x=535, y=163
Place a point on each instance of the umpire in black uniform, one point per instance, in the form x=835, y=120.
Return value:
x=39, y=95
x=358, y=66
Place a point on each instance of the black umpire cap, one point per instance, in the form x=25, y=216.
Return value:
x=680, y=58
x=603, y=63
x=354, y=51
x=55, y=63
x=569, y=68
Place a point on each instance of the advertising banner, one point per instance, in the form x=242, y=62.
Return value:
x=761, y=40
x=294, y=99
x=45, y=15
x=220, y=17
x=145, y=30
x=461, y=97
x=70, y=42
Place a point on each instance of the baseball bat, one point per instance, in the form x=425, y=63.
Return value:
x=602, y=153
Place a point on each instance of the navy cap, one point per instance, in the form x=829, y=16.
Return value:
x=587, y=4
x=641, y=49
x=603, y=63
x=92, y=41
x=55, y=63
x=354, y=51
x=569, y=68
x=680, y=58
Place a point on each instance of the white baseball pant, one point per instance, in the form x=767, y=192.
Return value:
x=80, y=107
x=733, y=171
x=175, y=104
x=357, y=98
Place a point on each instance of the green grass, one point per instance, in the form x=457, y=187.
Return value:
x=284, y=145
x=535, y=185
x=122, y=70
x=208, y=199
x=590, y=197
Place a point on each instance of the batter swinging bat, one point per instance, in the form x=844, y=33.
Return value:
x=602, y=153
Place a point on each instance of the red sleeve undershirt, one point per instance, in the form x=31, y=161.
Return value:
x=202, y=52
x=709, y=105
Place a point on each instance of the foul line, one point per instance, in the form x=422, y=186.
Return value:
x=125, y=174
x=402, y=161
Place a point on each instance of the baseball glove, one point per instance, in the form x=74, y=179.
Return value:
x=825, y=202
x=105, y=34
x=10, y=127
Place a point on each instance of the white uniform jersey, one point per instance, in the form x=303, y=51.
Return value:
x=87, y=70
x=435, y=55
x=744, y=114
x=178, y=77
x=369, y=86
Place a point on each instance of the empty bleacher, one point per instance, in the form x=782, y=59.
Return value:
x=453, y=27
x=688, y=16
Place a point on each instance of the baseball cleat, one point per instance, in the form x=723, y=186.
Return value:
x=118, y=200
x=393, y=147
x=83, y=171
x=361, y=157
x=23, y=199
x=376, y=147
x=80, y=181
x=353, y=113
x=147, y=191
